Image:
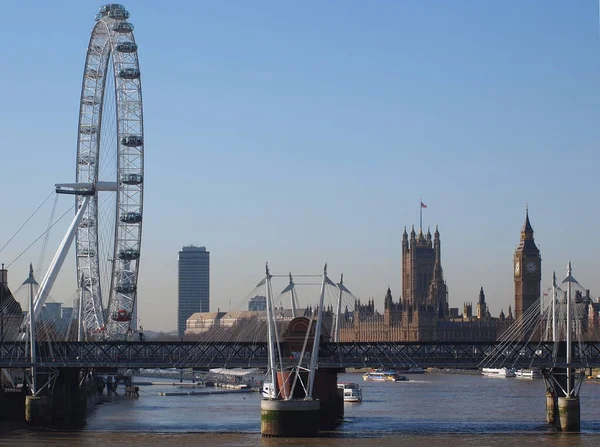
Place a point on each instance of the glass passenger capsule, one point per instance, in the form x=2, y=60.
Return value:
x=86, y=159
x=129, y=254
x=122, y=27
x=105, y=9
x=87, y=129
x=118, y=14
x=87, y=222
x=121, y=315
x=132, y=179
x=132, y=217
x=129, y=73
x=90, y=100
x=87, y=252
x=126, y=47
x=131, y=140
x=126, y=288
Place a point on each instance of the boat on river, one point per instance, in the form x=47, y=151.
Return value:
x=499, y=372
x=352, y=391
x=529, y=373
x=268, y=391
x=383, y=376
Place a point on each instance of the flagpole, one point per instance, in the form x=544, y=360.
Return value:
x=421, y=214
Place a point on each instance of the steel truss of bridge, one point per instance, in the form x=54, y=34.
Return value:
x=332, y=355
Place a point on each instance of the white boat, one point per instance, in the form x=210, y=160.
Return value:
x=383, y=376
x=499, y=372
x=352, y=392
x=529, y=373
x=268, y=390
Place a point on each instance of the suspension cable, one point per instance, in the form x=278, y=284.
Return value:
x=39, y=237
x=45, y=245
x=30, y=217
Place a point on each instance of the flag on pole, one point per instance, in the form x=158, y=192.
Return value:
x=423, y=205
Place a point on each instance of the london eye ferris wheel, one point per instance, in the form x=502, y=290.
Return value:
x=110, y=156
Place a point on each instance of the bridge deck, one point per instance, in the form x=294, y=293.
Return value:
x=345, y=355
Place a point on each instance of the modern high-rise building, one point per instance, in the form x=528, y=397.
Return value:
x=193, y=284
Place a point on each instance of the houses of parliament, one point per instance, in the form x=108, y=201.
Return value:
x=422, y=312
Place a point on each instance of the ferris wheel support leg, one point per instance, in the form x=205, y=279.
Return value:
x=58, y=260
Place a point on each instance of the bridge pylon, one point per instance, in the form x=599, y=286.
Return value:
x=563, y=381
x=301, y=398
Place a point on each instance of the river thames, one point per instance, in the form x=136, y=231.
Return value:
x=429, y=410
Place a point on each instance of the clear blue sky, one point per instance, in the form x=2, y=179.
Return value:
x=304, y=132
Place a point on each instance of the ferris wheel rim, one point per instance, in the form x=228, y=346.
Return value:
x=112, y=46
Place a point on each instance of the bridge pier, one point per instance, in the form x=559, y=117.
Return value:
x=297, y=416
x=551, y=407
x=64, y=403
x=289, y=418
x=331, y=412
x=562, y=396
x=569, y=413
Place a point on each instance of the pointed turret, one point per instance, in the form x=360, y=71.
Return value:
x=527, y=229
x=527, y=242
x=482, y=310
x=437, y=246
x=421, y=237
x=387, y=301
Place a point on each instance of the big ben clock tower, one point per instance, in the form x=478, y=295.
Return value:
x=528, y=273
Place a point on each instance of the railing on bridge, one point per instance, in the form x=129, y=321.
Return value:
x=252, y=355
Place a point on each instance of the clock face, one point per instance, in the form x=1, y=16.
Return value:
x=517, y=267
x=531, y=267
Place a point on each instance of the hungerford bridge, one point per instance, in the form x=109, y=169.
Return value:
x=303, y=364
x=202, y=355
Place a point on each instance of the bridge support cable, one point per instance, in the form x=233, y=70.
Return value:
x=527, y=325
x=26, y=222
x=319, y=325
x=338, y=309
x=39, y=237
x=42, y=256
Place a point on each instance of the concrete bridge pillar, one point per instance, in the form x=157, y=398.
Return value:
x=289, y=418
x=569, y=414
x=38, y=411
x=332, y=398
x=64, y=405
x=562, y=403
x=551, y=407
x=300, y=417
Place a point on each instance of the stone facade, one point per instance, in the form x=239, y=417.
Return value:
x=422, y=313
